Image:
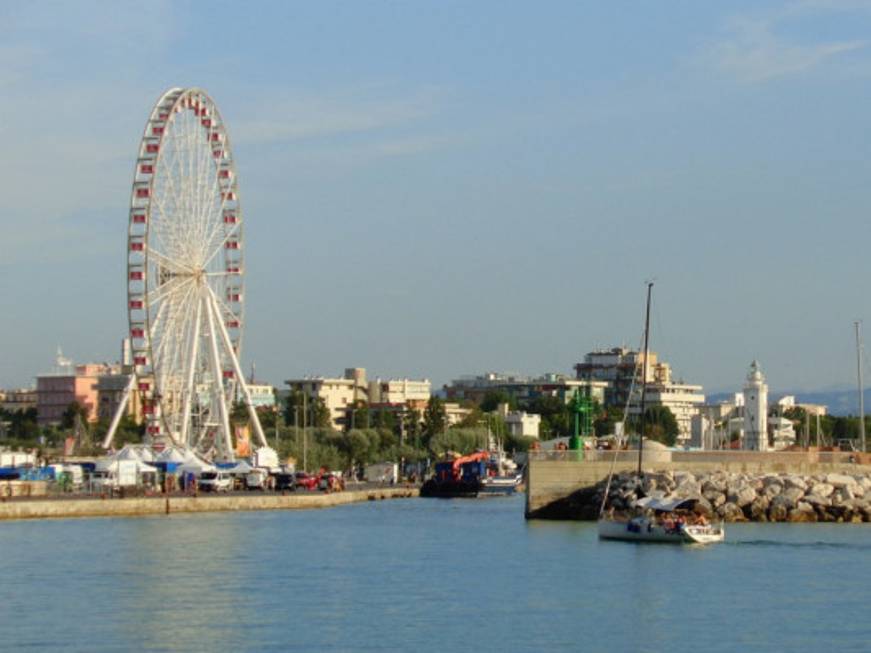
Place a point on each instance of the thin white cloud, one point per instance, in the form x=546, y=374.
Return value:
x=305, y=116
x=754, y=53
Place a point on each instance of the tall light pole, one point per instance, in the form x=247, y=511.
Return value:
x=304, y=437
x=858, y=324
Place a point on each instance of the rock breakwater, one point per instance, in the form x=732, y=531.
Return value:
x=732, y=497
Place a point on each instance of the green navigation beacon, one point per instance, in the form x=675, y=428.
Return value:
x=582, y=406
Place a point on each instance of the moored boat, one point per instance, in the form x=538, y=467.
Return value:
x=505, y=484
x=479, y=474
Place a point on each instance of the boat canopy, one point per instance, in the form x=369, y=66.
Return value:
x=666, y=504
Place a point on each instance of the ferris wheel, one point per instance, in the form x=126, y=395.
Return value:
x=185, y=268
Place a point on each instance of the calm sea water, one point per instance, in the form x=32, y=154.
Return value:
x=425, y=575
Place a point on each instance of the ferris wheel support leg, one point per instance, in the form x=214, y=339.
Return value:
x=119, y=412
x=190, y=389
x=219, y=380
x=237, y=368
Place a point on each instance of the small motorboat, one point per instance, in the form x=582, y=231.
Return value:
x=668, y=525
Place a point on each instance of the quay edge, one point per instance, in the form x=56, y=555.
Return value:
x=162, y=505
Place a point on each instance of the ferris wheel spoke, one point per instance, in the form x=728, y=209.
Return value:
x=172, y=302
x=158, y=293
x=173, y=363
x=219, y=301
x=206, y=167
x=216, y=249
x=170, y=263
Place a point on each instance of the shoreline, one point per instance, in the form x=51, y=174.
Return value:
x=16, y=509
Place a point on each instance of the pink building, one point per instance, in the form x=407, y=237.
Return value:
x=56, y=391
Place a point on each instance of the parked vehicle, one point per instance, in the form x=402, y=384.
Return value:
x=382, y=473
x=115, y=475
x=68, y=477
x=331, y=481
x=257, y=479
x=306, y=481
x=219, y=481
x=285, y=481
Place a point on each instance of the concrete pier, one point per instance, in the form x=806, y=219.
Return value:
x=552, y=476
x=62, y=508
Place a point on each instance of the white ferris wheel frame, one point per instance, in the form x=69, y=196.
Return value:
x=185, y=272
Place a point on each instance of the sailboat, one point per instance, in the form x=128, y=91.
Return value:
x=658, y=519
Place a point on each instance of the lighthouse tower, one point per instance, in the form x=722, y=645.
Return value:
x=755, y=410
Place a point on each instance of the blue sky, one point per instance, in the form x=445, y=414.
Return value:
x=442, y=188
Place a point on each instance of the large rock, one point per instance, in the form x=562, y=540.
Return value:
x=840, y=480
x=842, y=495
x=778, y=511
x=714, y=484
x=771, y=490
x=731, y=512
x=688, y=489
x=816, y=500
x=717, y=499
x=792, y=493
x=786, y=501
x=744, y=496
x=804, y=512
x=821, y=489
x=759, y=508
x=793, y=480
x=704, y=507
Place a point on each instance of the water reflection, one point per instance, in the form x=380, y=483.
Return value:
x=418, y=575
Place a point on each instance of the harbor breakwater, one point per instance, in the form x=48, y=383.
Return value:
x=730, y=496
x=61, y=508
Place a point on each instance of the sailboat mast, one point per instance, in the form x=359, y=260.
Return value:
x=861, y=390
x=644, y=374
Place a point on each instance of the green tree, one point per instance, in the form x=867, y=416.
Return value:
x=434, y=418
x=606, y=419
x=472, y=420
x=239, y=413
x=359, y=414
x=74, y=409
x=556, y=420
x=518, y=442
x=293, y=408
x=660, y=425
x=411, y=424
x=22, y=424
x=461, y=440
x=268, y=416
x=320, y=414
x=383, y=419
x=492, y=399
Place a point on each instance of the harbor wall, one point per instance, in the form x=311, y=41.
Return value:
x=553, y=476
x=62, y=508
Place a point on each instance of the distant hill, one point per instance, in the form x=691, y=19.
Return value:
x=840, y=401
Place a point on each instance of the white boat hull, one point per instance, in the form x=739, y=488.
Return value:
x=643, y=530
x=500, y=484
